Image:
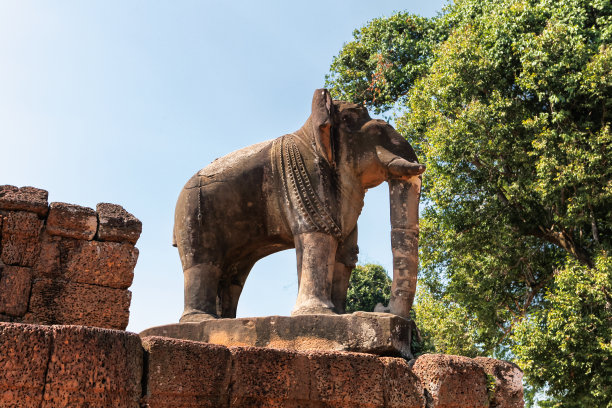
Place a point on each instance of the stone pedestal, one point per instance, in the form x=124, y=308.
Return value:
x=382, y=334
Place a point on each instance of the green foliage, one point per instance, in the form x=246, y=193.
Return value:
x=380, y=66
x=491, y=384
x=508, y=103
x=445, y=326
x=571, y=338
x=518, y=157
x=369, y=284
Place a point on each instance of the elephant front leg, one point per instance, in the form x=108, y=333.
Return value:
x=316, y=253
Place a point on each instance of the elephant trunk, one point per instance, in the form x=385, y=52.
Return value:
x=404, y=200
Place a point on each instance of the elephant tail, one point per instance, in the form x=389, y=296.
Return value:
x=173, y=238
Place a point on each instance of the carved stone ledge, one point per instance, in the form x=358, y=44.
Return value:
x=382, y=334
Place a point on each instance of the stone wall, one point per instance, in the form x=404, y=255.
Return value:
x=53, y=366
x=63, y=263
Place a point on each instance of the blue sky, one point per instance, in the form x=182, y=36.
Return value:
x=113, y=101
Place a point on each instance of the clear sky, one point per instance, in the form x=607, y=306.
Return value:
x=122, y=101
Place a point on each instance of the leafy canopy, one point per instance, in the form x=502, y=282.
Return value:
x=387, y=56
x=571, y=336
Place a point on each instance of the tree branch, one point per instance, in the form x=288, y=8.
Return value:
x=594, y=225
x=563, y=240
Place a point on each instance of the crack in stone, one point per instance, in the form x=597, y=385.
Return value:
x=51, y=350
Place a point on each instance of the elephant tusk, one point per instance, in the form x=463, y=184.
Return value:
x=398, y=167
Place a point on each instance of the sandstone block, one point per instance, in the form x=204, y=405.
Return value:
x=508, y=382
x=270, y=378
x=72, y=221
x=101, y=263
x=15, y=283
x=341, y=379
x=48, y=262
x=20, y=238
x=376, y=333
x=24, y=199
x=452, y=381
x=24, y=355
x=56, y=301
x=402, y=387
x=93, y=367
x=116, y=224
x=186, y=374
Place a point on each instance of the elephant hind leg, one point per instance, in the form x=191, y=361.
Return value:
x=342, y=274
x=230, y=289
x=346, y=258
x=201, y=284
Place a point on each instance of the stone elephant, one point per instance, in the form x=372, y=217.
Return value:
x=303, y=190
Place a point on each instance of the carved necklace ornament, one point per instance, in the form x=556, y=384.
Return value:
x=289, y=165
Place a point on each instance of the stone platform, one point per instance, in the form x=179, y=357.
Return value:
x=382, y=334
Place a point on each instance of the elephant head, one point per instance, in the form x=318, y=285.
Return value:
x=379, y=153
x=362, y=153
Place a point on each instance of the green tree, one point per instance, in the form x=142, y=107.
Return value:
x=369, y=284
x=380, y=66
x=510, y=110
x=571, y=337
x=445, y=325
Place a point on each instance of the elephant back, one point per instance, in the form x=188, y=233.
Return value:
x=232, y=165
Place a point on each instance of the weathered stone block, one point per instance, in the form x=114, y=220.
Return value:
x=402, y=387
x=184, y=373
x=377, y=333
x=270, y=378
x=101, y=263
x=24, y=355
x=98, y=263
x=48, y=262
x=24, y=199
x=56, y=301
x=93, y=367
x=452, y=381
x=116, y=224
x=20, y=238
x=72, y=221
x=340, y=379
x=508, y=382
x=15, y=283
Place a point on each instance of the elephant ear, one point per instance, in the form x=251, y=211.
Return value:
x=321, y=120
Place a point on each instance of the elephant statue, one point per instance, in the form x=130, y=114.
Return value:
x=303, y=190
